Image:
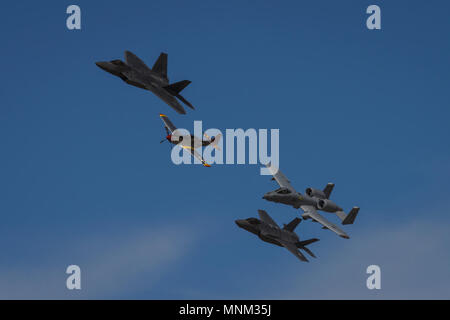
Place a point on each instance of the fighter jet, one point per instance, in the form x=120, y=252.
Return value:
x=310, y=202
x=268, y=230
x=135, y=72
x=188, y=142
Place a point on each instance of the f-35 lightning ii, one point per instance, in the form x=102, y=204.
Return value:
x=268, y=230
x=135, y=72
x=310, y=202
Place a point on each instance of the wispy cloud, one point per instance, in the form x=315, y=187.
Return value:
x=111, y=266
x=414, y=261
x=413, y=257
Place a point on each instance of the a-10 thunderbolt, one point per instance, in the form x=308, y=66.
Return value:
x=188, y=142
x=135, y=72
x=268, y=230
x=310, y=202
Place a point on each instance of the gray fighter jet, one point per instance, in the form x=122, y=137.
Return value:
x=135, y=72
x=310, y=202
x=268, y=230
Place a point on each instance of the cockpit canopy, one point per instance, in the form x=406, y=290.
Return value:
x=118, y=62
x=253, y=221
x=283, y=191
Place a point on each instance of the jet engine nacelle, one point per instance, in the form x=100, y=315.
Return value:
x=328, y=205
x=315, y=193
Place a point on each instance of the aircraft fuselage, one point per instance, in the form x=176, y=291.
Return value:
x=268, y=233
x=296, y=199
x=149, y=80
x=188, y=141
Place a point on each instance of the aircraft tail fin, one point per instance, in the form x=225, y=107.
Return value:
x=302, y=245
x=160, y=65
x=328, y=189
x=350, y=217
x=292, y=225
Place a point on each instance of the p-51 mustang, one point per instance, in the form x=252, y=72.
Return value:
x=310, y=202
x=188, y=142
x=268, y=230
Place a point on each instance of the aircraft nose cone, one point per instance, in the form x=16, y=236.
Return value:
x=239, y=223
x=101, y=65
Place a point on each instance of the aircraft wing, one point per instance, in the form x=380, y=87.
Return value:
x=280, y=178
x=266, y=218
x=196, y=154
x=293, y=249
x=169, y=125
x=134, y=62
x=312, y=213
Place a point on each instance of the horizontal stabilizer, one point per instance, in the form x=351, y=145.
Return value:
x=179, y=96
x=302, y=245
x=177, y=87
x=350, y=218
x=306, y=242
x=309, y=252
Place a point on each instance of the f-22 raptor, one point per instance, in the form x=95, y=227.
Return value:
x=310, y=202
x=268, y=230
x=135, y=72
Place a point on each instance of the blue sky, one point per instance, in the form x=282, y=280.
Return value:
x=84, y=180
